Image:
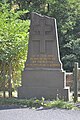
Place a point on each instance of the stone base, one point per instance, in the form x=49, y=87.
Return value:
x=43, y=83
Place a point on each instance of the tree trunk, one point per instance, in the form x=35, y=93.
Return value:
x=9, y=80
x=3, y=75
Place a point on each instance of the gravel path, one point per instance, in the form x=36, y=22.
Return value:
x=30, y=114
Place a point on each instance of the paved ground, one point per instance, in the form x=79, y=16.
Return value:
x=40, y=114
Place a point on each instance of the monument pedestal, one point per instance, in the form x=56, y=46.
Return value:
x=43, y=83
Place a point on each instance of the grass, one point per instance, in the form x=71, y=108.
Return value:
x=61, y=104
x=36, y=103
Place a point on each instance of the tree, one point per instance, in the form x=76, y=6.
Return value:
x=13, y=44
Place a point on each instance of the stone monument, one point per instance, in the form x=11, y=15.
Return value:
x=43, y=75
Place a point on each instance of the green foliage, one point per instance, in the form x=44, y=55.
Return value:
x=13, y=33
x=73, y=54
x=13, y=41
x=60, y=104
x=36, y=103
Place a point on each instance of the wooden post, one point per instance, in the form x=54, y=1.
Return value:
x=75, y=74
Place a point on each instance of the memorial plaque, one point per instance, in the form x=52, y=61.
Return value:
x=43, y=74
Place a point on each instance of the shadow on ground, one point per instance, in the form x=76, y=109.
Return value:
x=6, y=107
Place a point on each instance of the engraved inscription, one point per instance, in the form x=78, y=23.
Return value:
x=42, y=65
x=43, y=61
